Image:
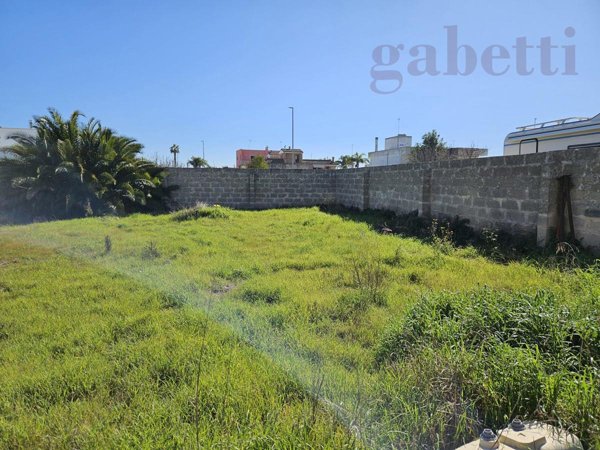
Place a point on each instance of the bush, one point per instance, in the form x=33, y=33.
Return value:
x=211, y=212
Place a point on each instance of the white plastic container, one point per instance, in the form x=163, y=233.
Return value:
x=525, y=436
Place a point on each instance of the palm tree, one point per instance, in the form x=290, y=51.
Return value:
x=345, y=161
x=197, y=162
x=69, y=169
x=358, y=159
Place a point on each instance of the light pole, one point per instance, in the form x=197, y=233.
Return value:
x=203, y=149
x=292, y=108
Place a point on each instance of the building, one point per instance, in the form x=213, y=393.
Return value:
x=398, y=150
x=6, y=133
x=244, y=156
x=561, y=134
x=286, y=158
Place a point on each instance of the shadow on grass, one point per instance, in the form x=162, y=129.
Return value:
x=496, y=245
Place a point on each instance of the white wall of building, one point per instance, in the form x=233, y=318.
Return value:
x=390, y=157
x=399, y=141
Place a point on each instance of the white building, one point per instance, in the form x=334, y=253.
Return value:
x=6, y=133
x=397, y=151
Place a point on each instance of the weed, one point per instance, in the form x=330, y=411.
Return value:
x=172, y=299
x=350, y=306
x=265, y=295
x=370, y=277
x=107, y=245
x=398, y=260
x=490, y=245
x=202, y=210
x=441, y=237
x=520, y=343
x=150, y=251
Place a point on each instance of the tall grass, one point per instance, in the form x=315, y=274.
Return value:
x=282, y=329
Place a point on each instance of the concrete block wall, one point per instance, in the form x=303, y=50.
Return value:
x=502, y=192
x=351, y=185
x=515, y=193
x=401, y=188
x=251, y=189
x=584, y=169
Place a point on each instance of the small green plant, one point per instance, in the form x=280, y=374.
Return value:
x=566, y=256
x=490, y=245
x=350, y=306
x=398, y=260
x=369, y=275
x=107, y=244
x=150, y=251
x=264, y=295
x=441, y=237
x=172, y=299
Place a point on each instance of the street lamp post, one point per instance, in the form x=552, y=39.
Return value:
x=203, y=149
x=293, y=157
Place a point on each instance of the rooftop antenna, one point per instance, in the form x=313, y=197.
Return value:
x=398, y=126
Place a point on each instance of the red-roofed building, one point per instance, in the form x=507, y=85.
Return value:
x=286, y=158
x=244, y=156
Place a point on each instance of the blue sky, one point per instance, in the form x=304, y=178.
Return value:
x=225, y=72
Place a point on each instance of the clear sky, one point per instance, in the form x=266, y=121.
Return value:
x=225, y=72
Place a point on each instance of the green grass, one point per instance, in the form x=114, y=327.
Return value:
x=281, y=329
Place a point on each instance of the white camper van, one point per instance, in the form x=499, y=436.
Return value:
x=562, y=134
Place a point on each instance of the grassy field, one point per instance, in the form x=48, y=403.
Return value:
x=282, y=329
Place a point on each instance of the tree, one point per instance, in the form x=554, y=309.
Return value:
x=175, y=150
x=345, y=161
x=432, y=148
x=69, y=169
x=358, y=159
x=258, y=162
x=197, y=162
